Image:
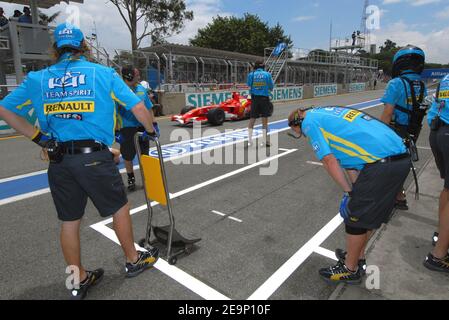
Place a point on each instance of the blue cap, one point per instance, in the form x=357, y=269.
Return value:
x=68, y=35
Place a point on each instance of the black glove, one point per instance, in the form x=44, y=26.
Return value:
x=42, y=140
x=147, y=136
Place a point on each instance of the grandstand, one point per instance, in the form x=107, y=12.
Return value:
x=181, y=68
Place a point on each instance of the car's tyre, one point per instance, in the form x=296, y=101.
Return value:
x=186, y=110
x=216, y=117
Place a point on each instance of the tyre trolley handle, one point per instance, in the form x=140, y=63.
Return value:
x=168, y=234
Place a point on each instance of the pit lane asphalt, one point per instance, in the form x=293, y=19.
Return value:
x=279, y=215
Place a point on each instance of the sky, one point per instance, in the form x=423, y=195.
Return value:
x=424, y=23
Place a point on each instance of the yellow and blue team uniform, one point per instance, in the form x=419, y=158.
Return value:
x=73, y=99
x=126, y=118
x=440, y=106
x=398, y=93
x=260, y=83
x=439, y=136
x=353, y=137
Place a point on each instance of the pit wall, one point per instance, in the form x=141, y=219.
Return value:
x=174, y=102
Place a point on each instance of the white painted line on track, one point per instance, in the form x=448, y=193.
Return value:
x=273, y=283
x=26, y=175
x=209, y=182
x=24, y=196
x=424, y=148
x=47, y=190
x=315, y=163
x=327, y=253
x=35, y=193
x=173, y=272
x=224, y=215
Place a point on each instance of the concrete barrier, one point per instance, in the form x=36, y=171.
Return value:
x=174, y=102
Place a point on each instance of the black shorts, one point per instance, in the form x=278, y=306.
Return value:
x=127, y=148
x=260, y=107
x=79, y=177
x=439, y=142
x=374, y=193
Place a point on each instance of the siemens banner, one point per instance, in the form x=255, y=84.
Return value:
x=211, y=98
x=357, y=87
x=324, y=90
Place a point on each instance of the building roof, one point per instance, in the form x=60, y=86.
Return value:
x=45, y=4
x=178, y=49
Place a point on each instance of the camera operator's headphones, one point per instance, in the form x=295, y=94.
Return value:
x=297, y=121
x=128, y=73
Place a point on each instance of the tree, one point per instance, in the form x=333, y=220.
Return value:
x=389, y=46
x=160, y=18
x=246, y=35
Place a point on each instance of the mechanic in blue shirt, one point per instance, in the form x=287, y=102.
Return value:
x=438, y=119
x=261, y=84
x=75, y=105
x=129, y=125
x=376, y=162
x=403, y=99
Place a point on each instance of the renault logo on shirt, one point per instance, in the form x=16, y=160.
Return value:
x=71, y=79
x=69, y=106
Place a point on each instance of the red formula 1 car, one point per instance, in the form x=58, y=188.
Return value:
x=236, y=108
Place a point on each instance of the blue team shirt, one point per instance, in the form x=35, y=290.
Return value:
x=25, y=19
x=73, y=100
x=441, y=106
x=353, y=137
x=395, y=95
x=260, y=83
x=126, y=118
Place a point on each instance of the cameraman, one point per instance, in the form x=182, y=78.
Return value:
x=75, y=104
x=130, y=125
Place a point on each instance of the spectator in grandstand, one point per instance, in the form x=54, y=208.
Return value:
x=376, y=162
x=16, y=16
x=375, y=83
x=26, y=17
x=260, y=83
x=353, y=38
x=3, y=20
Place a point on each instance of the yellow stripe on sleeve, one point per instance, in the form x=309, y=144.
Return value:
x=117, y=100
x=21, y=106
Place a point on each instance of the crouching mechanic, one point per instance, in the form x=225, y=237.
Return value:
x=74, y=102
x=130, y=125
x=404, y=100
x=377, y=164
x=438, y=119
